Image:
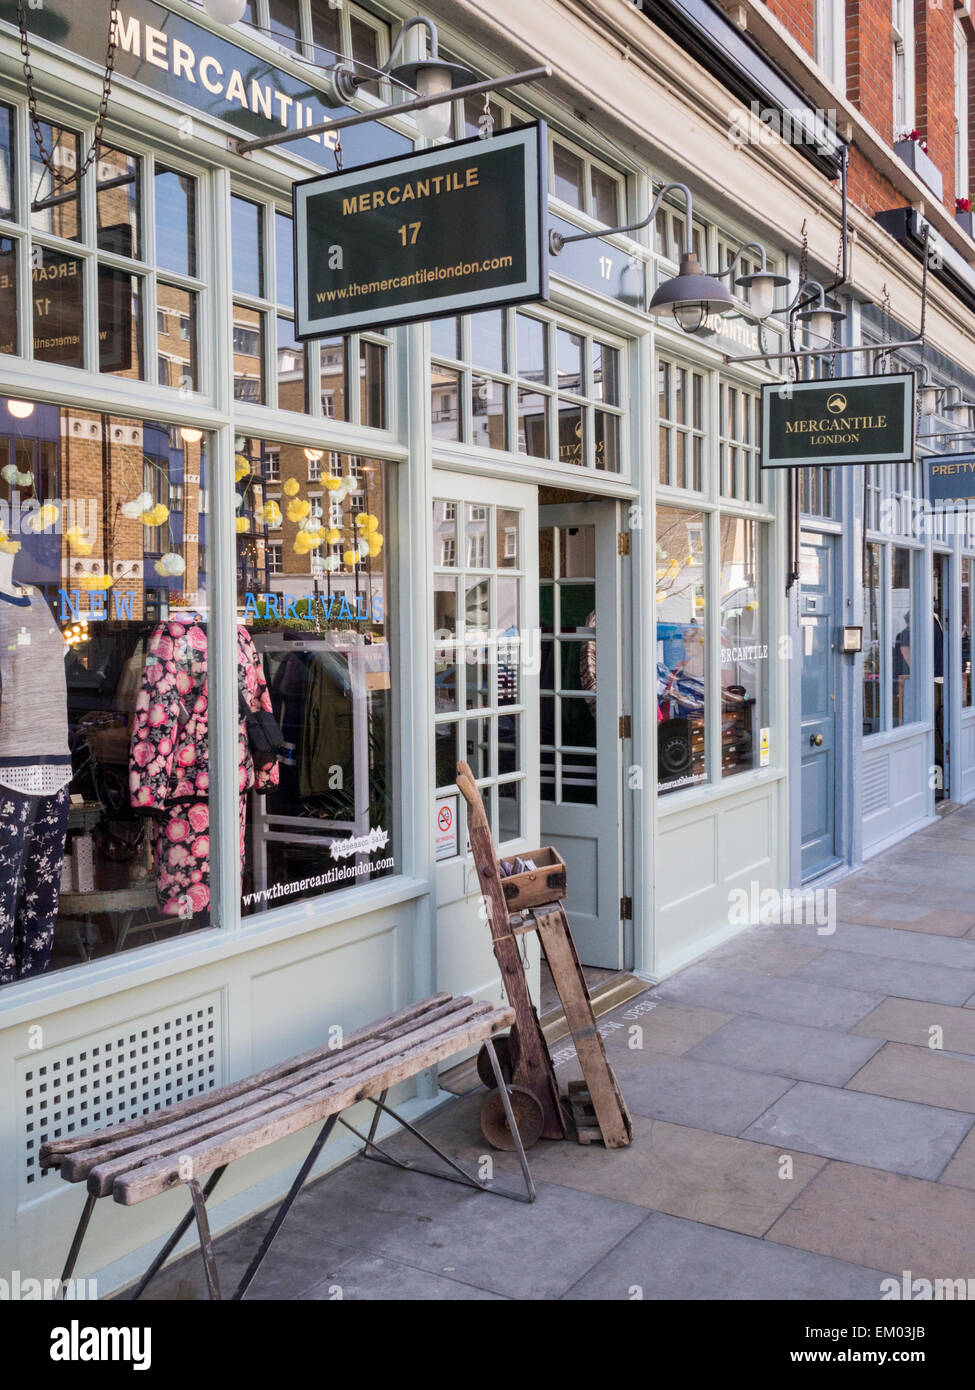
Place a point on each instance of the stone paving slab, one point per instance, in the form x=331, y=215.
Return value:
x=778, y=956
x=892, y=942
x=910, y=1021
x=699, y=1094
x=877, y=1132
x=792, y=1001
x=961, y=1170
x=942, y=922
x=787, y=1049
x=907, y=979
x=883, y=1220
x=920, y=1074
x=667, y=1258
x=670, y=1029
x=369, y=1277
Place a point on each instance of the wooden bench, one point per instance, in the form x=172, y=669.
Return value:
x=181, y=1143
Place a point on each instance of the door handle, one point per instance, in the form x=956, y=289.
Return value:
x=815, y=740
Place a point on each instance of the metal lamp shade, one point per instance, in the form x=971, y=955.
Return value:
x=762, y=284
x=427, y=77
x=691, y=296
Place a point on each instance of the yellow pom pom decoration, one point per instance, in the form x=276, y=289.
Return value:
x=302, y=544
x=350, y=557
x=333, y=534
x=332, y=483
x=298, y=509
x=290, y=487
x=242, y=467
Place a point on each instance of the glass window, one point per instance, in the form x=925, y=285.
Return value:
x=325, y=30
x=332, y=376
x=291, y=368
x=175, y=221
x=248, y=355
x=284, y=21
x=569, y=174
x=59, y=333
x=372, y=384
x=365, y=49
x=966, y=631
x=8, y=295
x=567, y=600
x=681, y=652
x=445, y=403
x=445, y=337
x=247, y=247
x=905, y=686
x=120, y=298
x=7, y=199
x=55, y=205
x=680, y=408
x=103, y=728
x=118, y=198
x=487, y=341
x=284, y=254
x=744, y=644
x=176, y=335
x=315, y=610
x=605, y=197
x=873, y=653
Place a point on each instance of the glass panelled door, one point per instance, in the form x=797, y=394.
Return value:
x=818, y=636
x=581, y=804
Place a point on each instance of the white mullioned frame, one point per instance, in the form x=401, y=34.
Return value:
x=829, y=33
x=961, y=110
x=902, y=65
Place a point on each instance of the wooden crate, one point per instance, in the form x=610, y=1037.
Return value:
x=543, y=884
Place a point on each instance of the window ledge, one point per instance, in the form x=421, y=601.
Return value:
x=887, y=736
x=672, y=803
x=920, y=163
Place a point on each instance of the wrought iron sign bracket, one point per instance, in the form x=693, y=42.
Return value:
x=401, y=108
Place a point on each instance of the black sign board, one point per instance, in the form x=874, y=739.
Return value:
x=951, y=477
x=811, y=424
x=455, y=229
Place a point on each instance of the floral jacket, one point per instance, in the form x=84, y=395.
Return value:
x=169, y=748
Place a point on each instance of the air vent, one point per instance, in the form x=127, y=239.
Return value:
x=876, y=786
x=117, y=1074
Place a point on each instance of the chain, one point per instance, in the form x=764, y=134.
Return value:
x=46, y=157
x=338, y=152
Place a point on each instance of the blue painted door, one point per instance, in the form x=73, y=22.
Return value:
x=817, y=619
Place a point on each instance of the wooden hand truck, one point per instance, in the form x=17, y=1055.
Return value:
x=518, y=904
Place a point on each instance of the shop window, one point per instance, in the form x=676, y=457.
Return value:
x=739, y=471
x=58, y=306
x=668, y=235
x=567, y=680
x=248, y=355
x=7, y=199
x=120, y=332
x=905, y=659
x=478, y=656
x=744, y=643
x=283, y=15
x=176, y=338
x=55, y=205
x=680, y=412
x=315, y=606
x=175, y=222
x=681, y=587
x=291, y=368
x=247, y=247
x=874, y=663
x=118, y=200
x=548, y=390
x=966, y=632
x=103, y=728
x=9, y=316
x=323, y=32
x=816, y=492
x=581, y=182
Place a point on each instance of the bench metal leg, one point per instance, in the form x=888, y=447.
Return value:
x=285, y=1207
x=176, y=1236
x=206, y=1242
x=76, y=1243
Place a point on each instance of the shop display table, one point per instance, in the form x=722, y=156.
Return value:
x=119, y=905
x=180, y=1143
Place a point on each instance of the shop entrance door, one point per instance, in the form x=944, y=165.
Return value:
x=818, y=636
x=581, y=773
x=939, y=667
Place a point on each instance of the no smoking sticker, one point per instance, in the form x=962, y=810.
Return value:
x=445, y=829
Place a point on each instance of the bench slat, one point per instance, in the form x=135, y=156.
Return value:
x=52, y=1150
x=165, y=1173
x=102, y=1167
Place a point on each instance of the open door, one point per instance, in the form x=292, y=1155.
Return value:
x=581, y=774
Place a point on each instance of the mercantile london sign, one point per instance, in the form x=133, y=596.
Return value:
x=808, y=424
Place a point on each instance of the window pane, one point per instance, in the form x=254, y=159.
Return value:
x=532, y=353
x=6, y=162
x=744, y=645
x=320, y=644
x=606, y=376
x=372, y=384
x=905, y=686
x=334, y=404
x=533, y=424
x=248, y=355
x=176, y=334
x=966, y=631
x=681, y=659
x=95, y=751
x=58, y=308
x=325, y=31
x=569, y=360
x=284, y=255
x=873, y=654
x=120, y=322
x=487, y=341
x=445, y=337
x=291, y=368
x=569, y=174
x=365, y=50
x=605, y=197
x=55, y=207
x=572, y=434
x=608, y=442
x=8, y=296
x=445, y=402
x=284, y=21
x=175, y=222
x=118, y=197
x=489, y=407
x=247, y=247
x=445, y=533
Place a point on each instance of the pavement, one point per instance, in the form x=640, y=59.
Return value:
x=803, y=1106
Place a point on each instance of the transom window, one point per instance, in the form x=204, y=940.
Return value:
x=509, y=380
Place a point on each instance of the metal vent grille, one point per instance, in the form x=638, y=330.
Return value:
x=117, y=1074
x=876, y=786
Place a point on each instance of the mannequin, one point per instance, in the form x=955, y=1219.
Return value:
x=169, y=774
x=35, y=770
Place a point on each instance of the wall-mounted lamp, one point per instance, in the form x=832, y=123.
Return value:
x=762, y=282
x=957, y=406
x=818, y=317
x=225, y=11
x=431, y=76
x=691, y=296
x=929, y=395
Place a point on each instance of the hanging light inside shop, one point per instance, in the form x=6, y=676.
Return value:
x=427, y=77
x=225, y=11
x=818, y=317
x=21, y=410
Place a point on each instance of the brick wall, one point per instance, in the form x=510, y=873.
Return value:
x=869, y=75
x=797, y=17
x=934, y=101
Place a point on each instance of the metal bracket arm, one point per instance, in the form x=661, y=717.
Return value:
x=556, y=241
